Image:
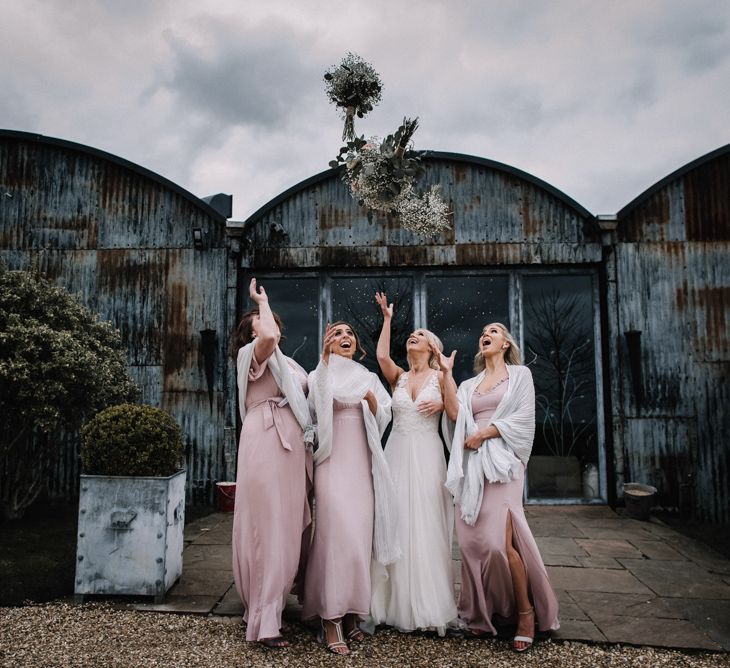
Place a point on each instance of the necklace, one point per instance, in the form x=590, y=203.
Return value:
x=497, y=384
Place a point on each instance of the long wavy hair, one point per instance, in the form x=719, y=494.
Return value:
x=431, y=338
x=358, y=343
x=510, y=356
x=243, y=334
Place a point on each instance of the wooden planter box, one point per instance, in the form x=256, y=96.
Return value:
x=130, y=535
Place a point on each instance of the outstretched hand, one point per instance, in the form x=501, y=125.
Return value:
x=386, y=308
x=257, y=293
x=329, y=339
x=446, y=364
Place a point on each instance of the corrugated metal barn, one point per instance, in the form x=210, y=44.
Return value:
x=622, y=318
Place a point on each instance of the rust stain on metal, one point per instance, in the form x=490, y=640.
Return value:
x=707, y=201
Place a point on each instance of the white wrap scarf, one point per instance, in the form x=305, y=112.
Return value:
x=290, y=387
x=348, y=382
x=497, y=459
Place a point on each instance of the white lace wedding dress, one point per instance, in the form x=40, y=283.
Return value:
x=416, y=592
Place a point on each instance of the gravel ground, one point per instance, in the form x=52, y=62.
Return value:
x=59, y=634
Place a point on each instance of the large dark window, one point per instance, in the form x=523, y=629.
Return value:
x=560, y=351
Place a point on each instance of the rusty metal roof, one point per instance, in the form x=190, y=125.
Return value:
x=429, y=155
x=82, y=148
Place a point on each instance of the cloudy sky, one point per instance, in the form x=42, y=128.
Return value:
x=600, y=99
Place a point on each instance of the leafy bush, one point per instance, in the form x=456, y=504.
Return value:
x=132, y=440
x=59, y=365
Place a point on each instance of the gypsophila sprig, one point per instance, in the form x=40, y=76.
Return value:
x=426, y=214
x=355, y=87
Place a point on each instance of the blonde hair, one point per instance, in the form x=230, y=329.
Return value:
x=510, y=356
x=431, y=338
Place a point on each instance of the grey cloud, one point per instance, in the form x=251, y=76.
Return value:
x=254, y=76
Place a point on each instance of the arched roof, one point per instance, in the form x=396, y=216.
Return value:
x=109, y=157
x=429, y=155
x=677, y=174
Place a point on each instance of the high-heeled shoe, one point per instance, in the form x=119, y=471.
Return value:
x=525, y=639
x=338, y=645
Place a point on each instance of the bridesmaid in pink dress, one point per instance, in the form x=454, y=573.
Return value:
x=502, y=571
x=337, y=582
x=271, y=506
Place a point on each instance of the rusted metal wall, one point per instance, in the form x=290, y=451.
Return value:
x=672, y=282
x=121, y=238
x=500, y=216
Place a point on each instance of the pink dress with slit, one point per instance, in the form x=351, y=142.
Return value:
x=337, y=581
x=486, y=581
x=272, y=508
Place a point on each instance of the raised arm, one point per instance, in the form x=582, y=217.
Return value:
x=267, y=331
x=390, y=369
x=448, y=384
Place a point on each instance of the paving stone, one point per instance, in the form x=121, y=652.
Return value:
x=196, y=605
x=230, y=604
x=681, y=579
x=571, y=611
x=203, y=581
x=456, y=570
x=693, y=549
x=578, y=629
x=595, y=579
x=626, y=605
x=558, y=529
x=563, y=596
x=216, y=557
x=600, y=562
x=599, y=533
x=550, y=559
x=717, y=566
x=713, y=617
x=653, y=631
x=656, y=549
x=554, y=545
x=602, y=547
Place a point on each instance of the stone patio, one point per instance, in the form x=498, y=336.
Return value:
x=618, y=580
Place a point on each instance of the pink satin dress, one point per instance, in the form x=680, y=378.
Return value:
x=272, y=510
x=486, y=580
x=337, y=581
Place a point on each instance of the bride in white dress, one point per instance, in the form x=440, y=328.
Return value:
x=416, y=592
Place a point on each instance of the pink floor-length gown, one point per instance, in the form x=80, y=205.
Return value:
x=337, y=580
x=486, y=581
x=271, y=509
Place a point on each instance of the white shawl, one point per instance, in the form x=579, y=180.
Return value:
x=290, y=387
x=497, y=459
x=346, y=381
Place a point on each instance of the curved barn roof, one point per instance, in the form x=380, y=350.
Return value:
x=428, y=155
x=109, y=157
x=674, y=176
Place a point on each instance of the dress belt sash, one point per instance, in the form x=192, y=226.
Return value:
x=272, y=416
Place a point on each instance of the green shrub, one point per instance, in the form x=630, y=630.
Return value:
x=59, y=365
x=133, y=440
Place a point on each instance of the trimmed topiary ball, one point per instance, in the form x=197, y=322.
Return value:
x=132, y=440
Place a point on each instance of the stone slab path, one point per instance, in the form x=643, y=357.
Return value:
x=618, y=580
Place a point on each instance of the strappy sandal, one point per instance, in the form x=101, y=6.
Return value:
x=354, y=634
x=337, y=646
x=280, y=642
x=525, y=639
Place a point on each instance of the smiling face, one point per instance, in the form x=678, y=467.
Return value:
x=345, y=343
x=493, y=341
x=418, y=341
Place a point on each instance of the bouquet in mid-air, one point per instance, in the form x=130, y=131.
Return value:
x=382, y=174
